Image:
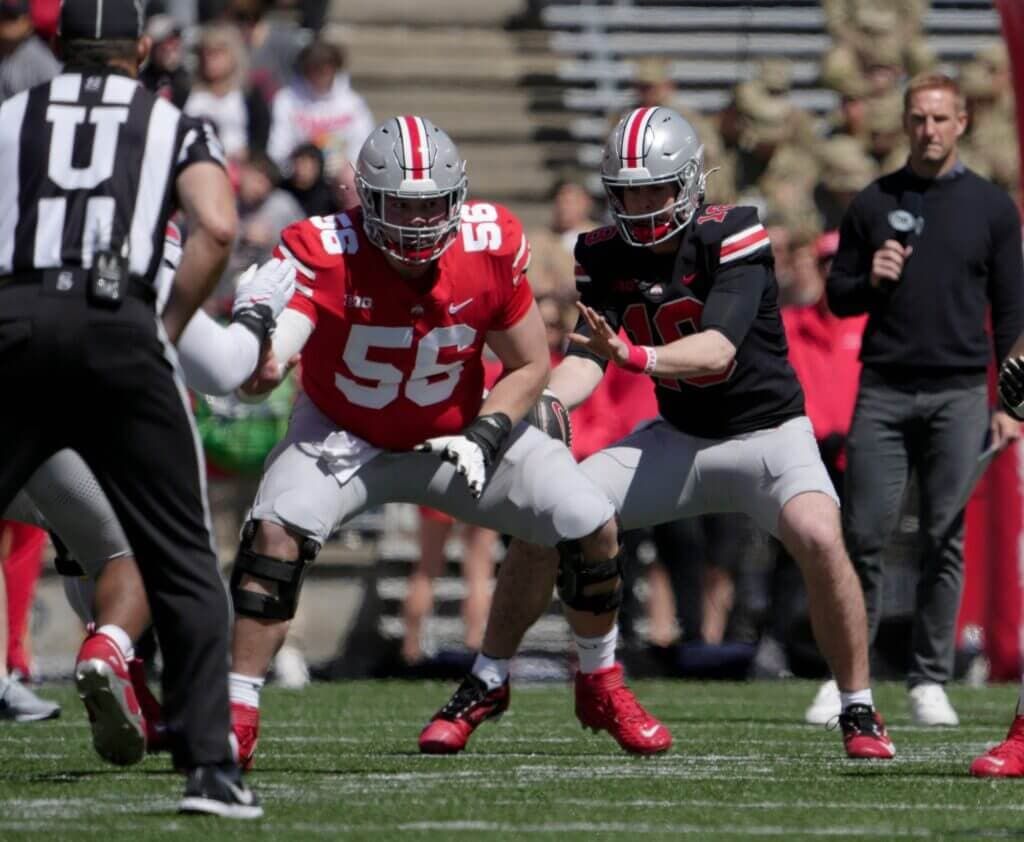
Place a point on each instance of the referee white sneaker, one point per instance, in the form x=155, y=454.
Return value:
x=290, y=668
x=929, y=705
x=19, y=703
x=826, y=705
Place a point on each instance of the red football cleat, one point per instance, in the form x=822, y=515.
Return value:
x=245, y=724
x=472, y=703
x=105, y=688
x=152, y=711
x=864, y=734
x=1006, y=760
x=605, y=703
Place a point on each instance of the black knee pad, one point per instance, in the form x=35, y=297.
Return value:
x=576, y=574
x=66, y=564
x=284, y=573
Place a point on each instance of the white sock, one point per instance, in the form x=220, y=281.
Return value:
x=491, y=671
x=120, y=637
x=245, y=689
x=857, y=697
x=597, y=653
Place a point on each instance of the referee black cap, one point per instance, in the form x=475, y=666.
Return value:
x=100, y=20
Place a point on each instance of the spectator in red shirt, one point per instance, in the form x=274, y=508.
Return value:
x=824, y=351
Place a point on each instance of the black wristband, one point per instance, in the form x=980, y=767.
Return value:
x=257, y=318
x=488, y=432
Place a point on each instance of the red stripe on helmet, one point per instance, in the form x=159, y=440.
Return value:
x=633, y=145
x=416, y=164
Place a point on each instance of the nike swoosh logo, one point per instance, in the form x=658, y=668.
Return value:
x=243, y=796
x=998, y=761
x=454, y=308
x=650, y=732
x=688, y=279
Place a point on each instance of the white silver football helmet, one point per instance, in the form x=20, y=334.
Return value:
x=653, y=146
x=408, y=157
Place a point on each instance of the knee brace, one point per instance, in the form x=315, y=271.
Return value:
x=286, y=574
x=65, y=563
x=576, y=574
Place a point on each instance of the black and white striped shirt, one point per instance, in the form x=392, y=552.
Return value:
x=88, y=163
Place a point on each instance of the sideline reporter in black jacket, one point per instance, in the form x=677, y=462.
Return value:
x=926, y=251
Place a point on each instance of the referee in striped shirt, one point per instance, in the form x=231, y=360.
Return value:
x=91, y=167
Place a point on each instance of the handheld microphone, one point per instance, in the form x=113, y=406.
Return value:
x=908, y=220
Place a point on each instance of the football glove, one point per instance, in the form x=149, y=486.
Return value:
x=261, y=294
x=550, y=416
x=1011, y=386
x=474, y=450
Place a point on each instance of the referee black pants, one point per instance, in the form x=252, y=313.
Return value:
x=101, y=381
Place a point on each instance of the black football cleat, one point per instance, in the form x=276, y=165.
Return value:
x=472, y=703
x=219, y=791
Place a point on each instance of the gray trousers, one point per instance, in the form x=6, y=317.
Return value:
x=940, y=436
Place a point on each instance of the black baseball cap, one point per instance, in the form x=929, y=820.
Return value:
x=10, y=9
x=100, y=20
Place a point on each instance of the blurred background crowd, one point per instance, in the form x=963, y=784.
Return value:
x=799, y=106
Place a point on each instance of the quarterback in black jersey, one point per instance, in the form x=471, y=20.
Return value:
x=694, y=289
x=720, y=278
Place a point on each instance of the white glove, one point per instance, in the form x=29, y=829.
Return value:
x=271, y=285
x=465, y=455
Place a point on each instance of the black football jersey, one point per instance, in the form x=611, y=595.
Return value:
x=721, y=277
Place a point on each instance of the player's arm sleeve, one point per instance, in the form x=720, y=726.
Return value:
x=734, y=299
x=300, y=245
x=590, y=294
x=217, y=358
x=848, y=288
x=293, y=330
x=1006, y=279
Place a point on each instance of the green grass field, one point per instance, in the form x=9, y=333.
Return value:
x=340, y=761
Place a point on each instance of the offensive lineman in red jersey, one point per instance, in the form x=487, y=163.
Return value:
x=394, y=303
x=694, y=287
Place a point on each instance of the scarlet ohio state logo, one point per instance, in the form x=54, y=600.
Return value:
x=714, y=213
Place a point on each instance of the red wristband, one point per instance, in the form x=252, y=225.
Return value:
x=642, y=359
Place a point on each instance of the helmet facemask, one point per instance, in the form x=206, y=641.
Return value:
x=412, y=244
x=649, y=229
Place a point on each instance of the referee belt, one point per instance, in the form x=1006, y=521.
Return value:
x=72, y=281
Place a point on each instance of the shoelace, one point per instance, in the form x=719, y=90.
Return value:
x=626, y=707
x=860, y=718
x=468, y=694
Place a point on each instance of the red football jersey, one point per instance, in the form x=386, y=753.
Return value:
x=387, y=361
